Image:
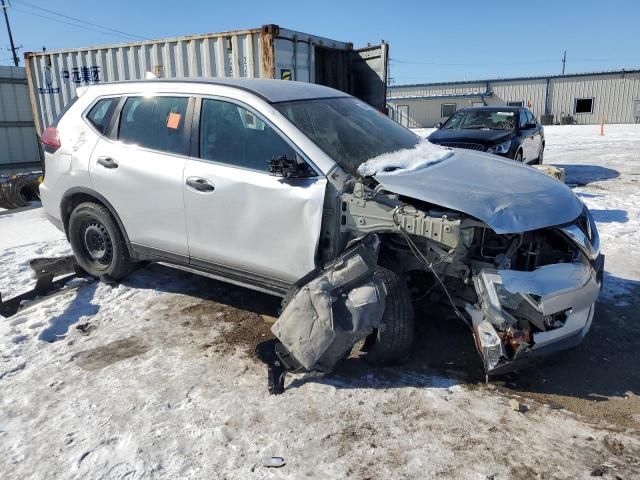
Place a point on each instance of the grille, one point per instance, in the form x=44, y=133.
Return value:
x=468, y=146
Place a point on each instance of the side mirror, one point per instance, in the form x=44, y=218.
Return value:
x=439, y=125
x=281, y=166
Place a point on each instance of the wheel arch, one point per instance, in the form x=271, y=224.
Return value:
x=77, y=195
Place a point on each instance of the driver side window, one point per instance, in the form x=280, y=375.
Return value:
x=523, y=118
x=233, y=135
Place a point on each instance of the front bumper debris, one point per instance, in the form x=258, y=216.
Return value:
x=521, y=316
x=45, y=270
x=327, y=315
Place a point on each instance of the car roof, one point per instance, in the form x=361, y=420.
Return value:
x=272, y=91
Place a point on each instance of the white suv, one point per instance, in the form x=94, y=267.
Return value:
x=261, y=183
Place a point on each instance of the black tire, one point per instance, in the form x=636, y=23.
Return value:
x=98, y=243
x=538, y=161
x=519, y=157
x=392, y=344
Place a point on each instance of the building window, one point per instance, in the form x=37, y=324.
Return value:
x=584, y=105
x=447, y=109
x=515, y=104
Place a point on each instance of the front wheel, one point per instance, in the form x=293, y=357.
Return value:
x=98, y=243
x=392, y=344
x=518, y=157
x=538, y=161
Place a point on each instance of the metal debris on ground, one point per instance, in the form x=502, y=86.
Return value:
x=45, y=270
x=273, y=462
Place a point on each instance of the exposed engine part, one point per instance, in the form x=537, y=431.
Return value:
x=366, y=212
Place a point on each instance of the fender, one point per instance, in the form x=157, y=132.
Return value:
x=66, y=211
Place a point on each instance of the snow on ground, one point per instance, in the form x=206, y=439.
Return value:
x=607, y=172
x=158, y=381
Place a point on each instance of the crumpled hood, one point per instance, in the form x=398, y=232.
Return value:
x=507, y=196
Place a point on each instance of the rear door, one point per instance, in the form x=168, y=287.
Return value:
x=139, y=169
x=369, y=75
x=241, y=219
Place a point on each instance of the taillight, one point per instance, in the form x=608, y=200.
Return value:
x=50, y=139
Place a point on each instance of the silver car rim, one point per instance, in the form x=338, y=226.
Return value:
x=97, y=243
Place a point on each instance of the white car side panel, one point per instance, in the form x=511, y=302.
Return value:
x=146, y=192
x=253, y=221
x=69, y=166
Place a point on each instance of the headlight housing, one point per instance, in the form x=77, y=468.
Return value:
x=584, y=233
x=500, y=148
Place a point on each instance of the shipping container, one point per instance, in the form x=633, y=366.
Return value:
x=266, y=52
x=18, y=142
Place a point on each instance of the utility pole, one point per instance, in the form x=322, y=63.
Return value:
x=16, y=60
x=564, y=59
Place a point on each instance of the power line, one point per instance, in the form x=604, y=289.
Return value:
x=470, y=64
x=69, y=23
x=75, y=19
x=16, y=60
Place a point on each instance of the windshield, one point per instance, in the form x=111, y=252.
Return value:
x=481, y=119
x=347, y=129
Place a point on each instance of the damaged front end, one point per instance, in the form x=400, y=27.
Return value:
x=521, y=315
x=524, y=292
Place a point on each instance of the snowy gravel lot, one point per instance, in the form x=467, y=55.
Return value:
x=160, y=381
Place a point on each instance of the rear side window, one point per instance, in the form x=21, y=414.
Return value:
x=157, y=123
x=100, y=115
x=233, y=135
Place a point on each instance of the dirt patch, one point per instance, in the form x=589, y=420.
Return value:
x=103, y=356
x=242, y=329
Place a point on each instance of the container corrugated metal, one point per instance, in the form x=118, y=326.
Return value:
x=266, y=52
x=18, y=141
x=614, y=95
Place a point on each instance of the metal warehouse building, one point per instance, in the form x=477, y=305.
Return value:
x=578, y=98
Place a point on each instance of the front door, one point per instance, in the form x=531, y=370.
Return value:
x=527, y=134
x=239, y=217
x=139, y=171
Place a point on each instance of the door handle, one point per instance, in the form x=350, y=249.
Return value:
x=200, y=184
x=107, y=162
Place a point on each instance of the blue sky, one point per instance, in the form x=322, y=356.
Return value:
x=429, y=41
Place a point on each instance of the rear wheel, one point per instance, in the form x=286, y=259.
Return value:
x=98, y=243
x=392, y=344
